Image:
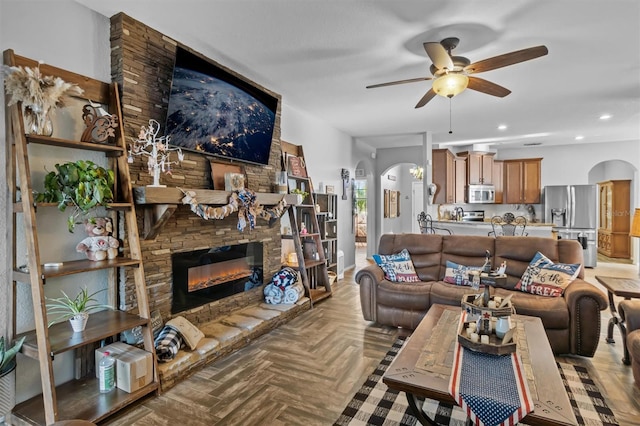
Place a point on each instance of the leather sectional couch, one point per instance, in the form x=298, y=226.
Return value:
x=630, y=314
x=572, y=321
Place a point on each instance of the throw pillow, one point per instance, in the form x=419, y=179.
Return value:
x=398, y=268
x=459, y=274
x=191, y=334
x=545, y=278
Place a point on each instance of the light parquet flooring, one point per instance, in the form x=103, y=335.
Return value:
x=306, y=371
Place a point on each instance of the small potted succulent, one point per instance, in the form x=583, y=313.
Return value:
x=76, y=309
x=8, y=374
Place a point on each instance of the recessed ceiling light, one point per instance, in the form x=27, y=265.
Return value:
x=532, y=144
x=605, y=116
x=579, y=137
x=502, y=127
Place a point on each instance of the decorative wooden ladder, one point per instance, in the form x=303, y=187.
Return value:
x=78, y=398
x=315, y=277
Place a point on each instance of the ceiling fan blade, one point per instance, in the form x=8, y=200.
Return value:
x=426, y=98
x=438, y=55
x=507, y=59
x=391, y=83
x=484, y=86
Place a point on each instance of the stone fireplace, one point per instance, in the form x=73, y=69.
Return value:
x=204, y=276
x=142, y=65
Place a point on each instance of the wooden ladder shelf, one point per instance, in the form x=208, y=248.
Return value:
x=78, y=398
x=313, y=271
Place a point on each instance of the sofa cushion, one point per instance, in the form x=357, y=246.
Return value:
x=448, y=294
x=425, y=252
x=465, y=250
x=546, y=278
x=553, y=311
x=459, y=274
x=410, y=297
x=397, y=267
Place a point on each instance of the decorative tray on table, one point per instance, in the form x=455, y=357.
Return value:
x=486, y=343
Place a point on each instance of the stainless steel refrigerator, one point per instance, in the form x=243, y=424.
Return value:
x=573, y=209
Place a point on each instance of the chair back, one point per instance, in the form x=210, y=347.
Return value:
x=426, y=225
x=508, y=225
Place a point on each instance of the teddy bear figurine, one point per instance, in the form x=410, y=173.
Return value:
x=99, y=245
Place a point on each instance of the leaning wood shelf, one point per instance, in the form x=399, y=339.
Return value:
x=77, y=399
x=83, y=265
x=82, y=399
x=161, y=202
x=101, y=325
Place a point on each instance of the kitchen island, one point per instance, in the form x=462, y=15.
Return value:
x=534, y=229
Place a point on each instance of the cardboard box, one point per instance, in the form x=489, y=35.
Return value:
x=134, y=367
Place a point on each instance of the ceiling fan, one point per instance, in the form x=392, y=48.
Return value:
x=453, y=74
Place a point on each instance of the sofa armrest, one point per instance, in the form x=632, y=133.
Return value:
x=630, y=314
x=584, y=301
x=368, y=278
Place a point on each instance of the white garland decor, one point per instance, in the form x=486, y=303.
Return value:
x=243, y=202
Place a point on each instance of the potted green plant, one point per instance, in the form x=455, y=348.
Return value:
x=76, y=309
x=82, y=184
x=8, y=375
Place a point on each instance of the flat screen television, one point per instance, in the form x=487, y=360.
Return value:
x=214, y=112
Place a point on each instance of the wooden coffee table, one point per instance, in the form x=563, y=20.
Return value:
x=407, y=372
x=622, y=287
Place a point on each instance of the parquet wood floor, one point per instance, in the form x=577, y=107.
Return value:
x=306, y=371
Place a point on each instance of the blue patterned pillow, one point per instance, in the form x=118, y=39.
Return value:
x=459, y=274
x=545, y=278
x=398, y=267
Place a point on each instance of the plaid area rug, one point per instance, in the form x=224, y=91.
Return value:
x=376, y=404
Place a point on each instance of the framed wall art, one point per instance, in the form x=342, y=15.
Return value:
x=393, y=204
x=386, y=203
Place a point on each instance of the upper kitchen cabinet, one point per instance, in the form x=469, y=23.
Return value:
x=479, y=167
x=521, y=182
x=498, y=177
x=460, y=164
x=443, y=175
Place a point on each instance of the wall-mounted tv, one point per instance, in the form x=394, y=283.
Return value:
x=214, y=112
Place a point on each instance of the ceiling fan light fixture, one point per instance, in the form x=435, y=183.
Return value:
x=450, y=84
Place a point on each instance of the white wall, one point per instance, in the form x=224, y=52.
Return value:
x=327, y=151
x=68, y=35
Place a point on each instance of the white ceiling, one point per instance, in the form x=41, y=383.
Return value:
x=320, y=54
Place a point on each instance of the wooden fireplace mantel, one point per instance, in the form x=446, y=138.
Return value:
x=159, y=203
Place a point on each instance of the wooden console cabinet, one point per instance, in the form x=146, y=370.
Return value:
x=614, y=218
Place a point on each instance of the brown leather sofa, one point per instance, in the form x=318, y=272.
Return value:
x=630, y=314
x=572, y=322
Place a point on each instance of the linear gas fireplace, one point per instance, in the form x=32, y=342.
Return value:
x=204, y=276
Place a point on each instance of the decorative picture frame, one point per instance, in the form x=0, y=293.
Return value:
x=233, y=181
x=393, y=204
x=386, y=203
x=219, y=170
x=330, y=189
x=296, y=166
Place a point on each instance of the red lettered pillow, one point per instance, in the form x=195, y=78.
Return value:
x=545, y=278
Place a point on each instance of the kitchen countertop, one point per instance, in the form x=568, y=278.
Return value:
x=487, y=222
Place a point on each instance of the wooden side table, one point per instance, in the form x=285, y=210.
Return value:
x=627, y=288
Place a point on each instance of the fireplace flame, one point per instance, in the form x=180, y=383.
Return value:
x=204, y=276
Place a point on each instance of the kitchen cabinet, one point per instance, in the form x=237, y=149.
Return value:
x=460, y=165
x=521, y=184
x=479, y=167
x=614, y=218
x=498, y=170
x=443, y=175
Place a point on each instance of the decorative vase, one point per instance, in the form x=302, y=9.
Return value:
x=7, y=391
x=79, y=322
x=37, y=121
x=502, y=326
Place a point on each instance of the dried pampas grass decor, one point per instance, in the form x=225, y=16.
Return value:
x=40, y=95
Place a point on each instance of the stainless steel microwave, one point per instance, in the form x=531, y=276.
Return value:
x=481, y=194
